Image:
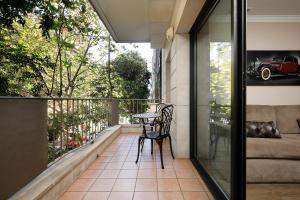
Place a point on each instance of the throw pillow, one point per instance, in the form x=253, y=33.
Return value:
x=298, y=121
x=262, y=129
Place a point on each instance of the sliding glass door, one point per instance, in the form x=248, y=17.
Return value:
x=214, y=97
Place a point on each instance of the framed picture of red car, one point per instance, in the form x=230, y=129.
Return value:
x=273, y=68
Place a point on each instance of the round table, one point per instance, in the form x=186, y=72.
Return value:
x=144, y=116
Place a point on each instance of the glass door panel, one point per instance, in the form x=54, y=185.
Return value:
x=213, y=94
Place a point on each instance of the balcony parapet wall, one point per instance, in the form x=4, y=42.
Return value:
x=52, y=183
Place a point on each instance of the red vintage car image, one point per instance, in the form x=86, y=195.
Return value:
x=277, y=66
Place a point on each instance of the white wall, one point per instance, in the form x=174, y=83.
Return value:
x=273, y=36
x=176, y=91
x=175, y=73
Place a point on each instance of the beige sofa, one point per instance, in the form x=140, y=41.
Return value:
x=274, y=160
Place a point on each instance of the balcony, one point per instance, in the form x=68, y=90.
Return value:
x=72, y=148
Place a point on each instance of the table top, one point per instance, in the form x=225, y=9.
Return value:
x=146, y=115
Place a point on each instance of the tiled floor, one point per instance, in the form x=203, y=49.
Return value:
x=115, y=176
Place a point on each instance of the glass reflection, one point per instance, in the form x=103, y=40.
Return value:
x=214, y=95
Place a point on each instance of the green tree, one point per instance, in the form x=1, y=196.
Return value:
x=133, y=75
x=59, y=65
x=16, y=11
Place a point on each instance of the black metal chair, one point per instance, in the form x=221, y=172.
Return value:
x=159, y=136
x=152, y=125
x=155, y=122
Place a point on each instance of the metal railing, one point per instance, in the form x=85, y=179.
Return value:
x=76, y=122
x=128, y=107
x=73, y=123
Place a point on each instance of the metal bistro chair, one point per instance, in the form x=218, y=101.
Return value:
x=153, y=124
x=159, y=136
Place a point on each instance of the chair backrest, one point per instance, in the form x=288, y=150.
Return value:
x=166, y=119
x=159, y=107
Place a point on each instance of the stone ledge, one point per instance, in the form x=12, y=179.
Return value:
x=52, y=183
x=131, y=128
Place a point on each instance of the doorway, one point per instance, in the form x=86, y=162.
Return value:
x=217, y=97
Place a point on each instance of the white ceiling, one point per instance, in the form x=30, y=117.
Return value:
x=136, y=20
x=274, y=7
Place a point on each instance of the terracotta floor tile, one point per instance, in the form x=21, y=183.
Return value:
x=147, y=173
x=167, y=164
x=195, y=196
x=190, y=185
x=147, y=165
x=120, y=196
x=204, y=185
x=127, y=148
x=170, y=196
x=121, y=153
x=210, y=196
x=109, y=173
x=146, y=185
x=103, y=159
x=114, y=165
x=91, y=173
x=182, y=163
x=145, y=196
x=116, y=176
x=130, y=159
x=185, y=173
x=147, y=158
x=130, y=165
x=118, y=158
x=108, y=153
x=200, y=179
x=96, y=196
x=81, y=185
x=72, y=196
x=125, y=144
x=103, y=185
x=133, y=152
x=128, y=173
x=112, y=147
x=98, y=165
x=124, y=185
x=168, y=185
x=165, y=173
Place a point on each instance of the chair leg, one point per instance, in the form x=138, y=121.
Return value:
x=143, y=141
x=171, y=146
x=139, y=145
x=151, y=146
x=160, y=142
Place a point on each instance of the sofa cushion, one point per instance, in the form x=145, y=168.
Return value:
x=287, y=147
x=262, y=130
x=260, y=113
x=273, y=171
x=286, y=117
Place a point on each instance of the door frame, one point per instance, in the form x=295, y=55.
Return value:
x=238, y=102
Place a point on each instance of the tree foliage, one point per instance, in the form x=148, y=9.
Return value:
x=70, y=57
x=60, y=48
x=12, y=11
x=34, y=65
x=134, y=75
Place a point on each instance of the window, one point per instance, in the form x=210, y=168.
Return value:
x=289, y=59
